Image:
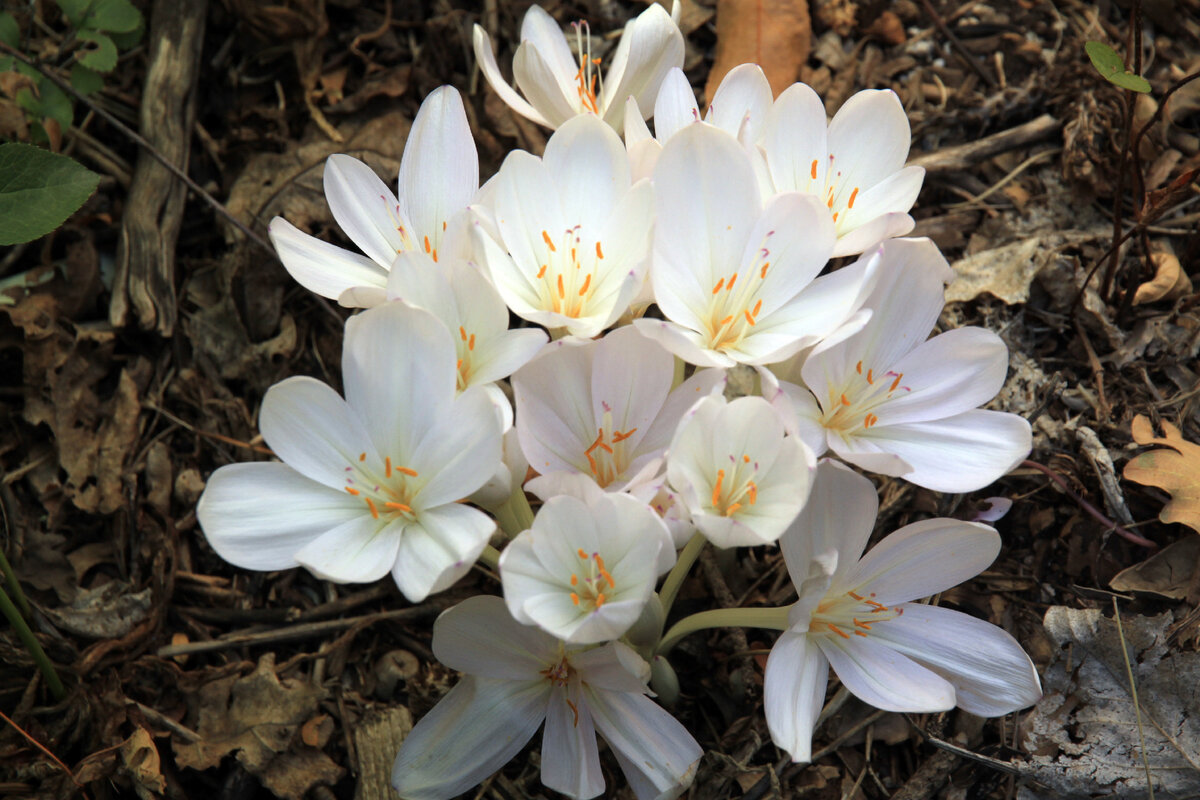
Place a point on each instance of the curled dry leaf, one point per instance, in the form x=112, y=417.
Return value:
x=775, y=34
x=1169, y=282
x=1177, y=470
x=1170, y=572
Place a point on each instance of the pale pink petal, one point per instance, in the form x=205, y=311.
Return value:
x=683, y=342
x=479, y=637
x=793, y=693
x=570, y=757
x=922, y=559
x=882, y=677
x=445, y=541
x=360, y=550
x=872, y=232
x=992, y=675
x=258, y=515
x=474, y=731
x=320, y=267
x=839, y=516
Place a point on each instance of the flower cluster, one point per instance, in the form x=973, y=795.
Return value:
x=566, y=333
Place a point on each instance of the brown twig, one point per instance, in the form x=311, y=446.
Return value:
x=958, y=45
x=44, y=749
x=1099, y=515
x=141, y=142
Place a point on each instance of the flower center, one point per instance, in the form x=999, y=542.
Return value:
x=565, y=286
x=606, y=455
x=465, y=347
x=851, y=409
x=839, y=198
x=387, y=496
x=736, y=301
x=735, y=487
x=850, y=614
x=559, y=672
x=592, y=584
x=586, y=77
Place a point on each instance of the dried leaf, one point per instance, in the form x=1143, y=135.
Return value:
x=142, y=764
x=1169, y=572
x=775, y=34
x=1176, y=470
x=1170, y=281
x=107, y=612
x=1083, y=733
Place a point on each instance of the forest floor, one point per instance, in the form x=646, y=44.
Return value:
x=188, y=678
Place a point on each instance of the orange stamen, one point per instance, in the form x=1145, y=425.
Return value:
x=717, y=288
x=620, y=437
x=542, y=271
x=858, y=368
x=600, y=598
x=412, y=473
x=427, y=248
x=845, y=402
x=838, y=630
x=398, y=507
x=462, y=332
x=716, y=492
x=574, y=598
x=757, y=308
x=387, y=466
x=813, y=171
x=471, y=342
x=729, y=286
x=561, y=291
x=853, y=195
x=371, y=505
x=362, y=456
x=581, y=553
x=599, y=252
x=730, y=511
x=896, y=382
x=352, y=491
x=546, y=239
x=574, y=579
x=586, y=283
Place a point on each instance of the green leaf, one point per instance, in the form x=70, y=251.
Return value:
x=38, y=191
x=86, y=81
x=10, y=32
x=113, y=16
x=103, y=57
x=1111, y=67
x=74, y=10
x=6, y=63
x=127, y=40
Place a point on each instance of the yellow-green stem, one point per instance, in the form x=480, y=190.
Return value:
x=10, y=578
x=515, y=515
x=771, y=618
x=674, y=579
x=490, y=557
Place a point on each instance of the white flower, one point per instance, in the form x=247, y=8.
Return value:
x=603, y=409
x=855, y=165
x=854, y=613
x=573, y=232
x=439, y=175
x=892, y=402
x=369, y=484
x=585, y=570
x=516, y=677
x=557, y=88
x=742, y=480
x=470, y=307
x=739, y=107
x=735, y=280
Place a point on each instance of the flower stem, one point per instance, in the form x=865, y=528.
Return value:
x=515, y=515
x=490, y=557
x=770, y=618
x=14, y=587
x=674, y=579
x=32, y=645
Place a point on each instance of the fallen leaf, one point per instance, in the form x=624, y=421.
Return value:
x=143, y=765
x=1083, y=734
x=1169, y=572
x=1176, y=470
x=107, y=612
x=775, y=34
x=1169, y=282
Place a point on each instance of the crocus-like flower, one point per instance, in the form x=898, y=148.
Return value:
x=439, y=175
x=585, y=570
x=604, y=409
x=855, y=613
x=741, y=478
x=516, y=677
x=734, y=279
x=855, y=165
x=557, y=88
x=468, y=305
x=891, y=402
x=574, y=232
x=369, y=484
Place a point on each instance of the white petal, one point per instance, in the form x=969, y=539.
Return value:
x=798, y=408
x=703, y=382
x=614, y=666
x=257, y=515
x=313, y=430
x=871, y=233
x=570, y=757
x=869, y=138
x=320, y=267
x=797, y=235
x=502, y=355
x=445, y=541
x=554, y=407
x=479, y=637
x=895, y=194
x=365, y=208
x=839, y=516
x=631, y=377
x=636, y=131
x=591, y=172
x=656, y=753
x=922, y=559
x=794, y=139
x=882, y=677
x=957, y=454
x=675, y=107
x=542, y=84
x=360, y=550
x=417, y=280
x=470, y=734
x=541, y=31
x=683, y=342
x=460, y=450
x=650, y=46
x=992, y=675
x=742, y=101
x=491, y=71
x=951, y=373
x=398, y=367
x=793, y=692
x=439, y=171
